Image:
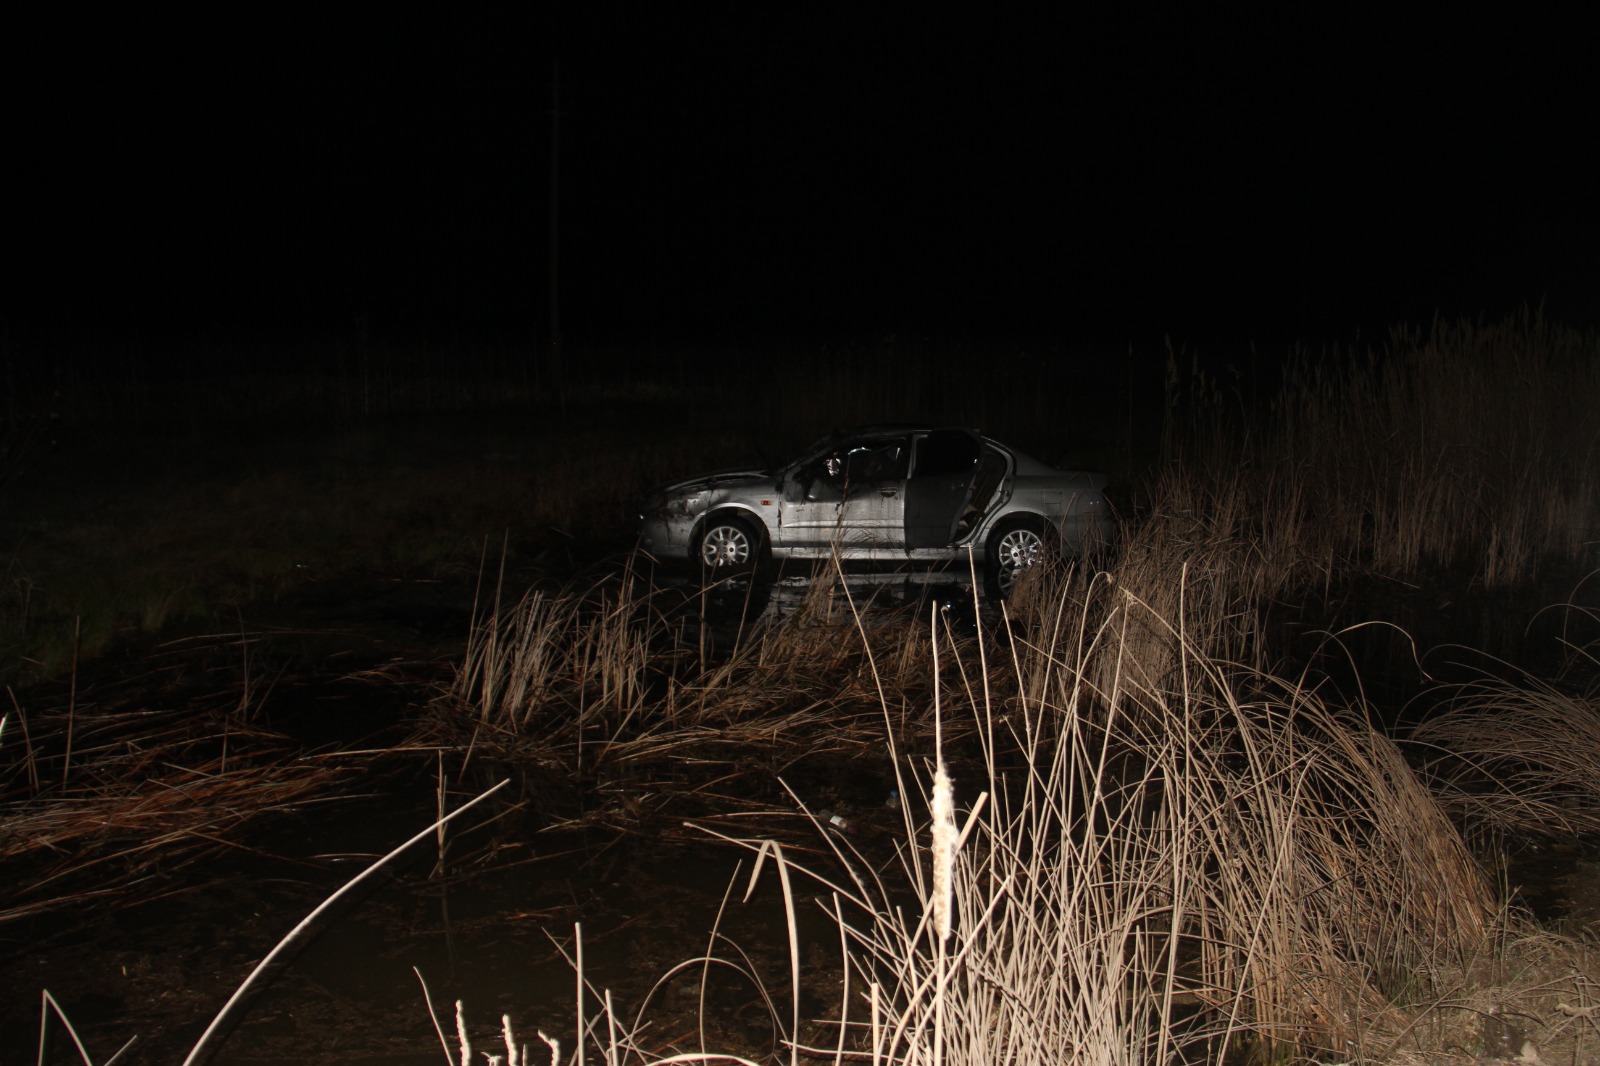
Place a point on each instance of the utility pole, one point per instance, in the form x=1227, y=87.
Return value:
x=554, y=355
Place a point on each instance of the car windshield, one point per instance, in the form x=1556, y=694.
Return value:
x=819, y=449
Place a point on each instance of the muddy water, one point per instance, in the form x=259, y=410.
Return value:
x=722, y=616
x=159, y=961
x=489, y=938
x=1385, y=642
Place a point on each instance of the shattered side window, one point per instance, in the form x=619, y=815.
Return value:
x=887, y=461
x=822, y=478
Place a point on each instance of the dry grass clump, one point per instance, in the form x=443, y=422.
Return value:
x=640, y=691
x=1154, y=872
x=549, y=651
x=1177, y=590
x=95, y=801
x=1515, y=757
x=1334, y=895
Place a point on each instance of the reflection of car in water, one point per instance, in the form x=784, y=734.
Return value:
x=885, y=494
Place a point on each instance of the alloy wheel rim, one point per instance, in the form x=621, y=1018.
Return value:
x=725, y=546
x=1019, y=551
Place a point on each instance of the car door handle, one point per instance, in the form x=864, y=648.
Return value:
x=888, y=492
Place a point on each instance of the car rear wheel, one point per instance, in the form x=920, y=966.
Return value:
x=729, y=547
x=1015, y=546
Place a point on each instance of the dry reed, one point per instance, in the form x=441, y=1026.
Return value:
x=1467, y=445
x=1518, y=758
x=148, y=790
x=1222, y=864
x=1158, y=871
x=603, y=683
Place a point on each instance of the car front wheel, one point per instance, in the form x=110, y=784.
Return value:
x=729, y=546
x=1014, y=547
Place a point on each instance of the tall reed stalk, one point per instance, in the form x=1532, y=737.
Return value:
x=1466, y=445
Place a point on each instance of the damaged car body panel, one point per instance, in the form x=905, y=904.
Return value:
x=884, y=494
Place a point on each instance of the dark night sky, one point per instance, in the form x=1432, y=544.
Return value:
x=752, y=173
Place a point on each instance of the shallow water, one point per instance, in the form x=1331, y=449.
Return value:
x=348, y=990
x=159, y=960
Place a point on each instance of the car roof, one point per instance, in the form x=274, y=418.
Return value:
x=890, y=429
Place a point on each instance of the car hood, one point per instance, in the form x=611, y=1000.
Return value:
x=720, y=480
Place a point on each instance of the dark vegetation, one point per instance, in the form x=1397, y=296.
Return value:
x=143, y=493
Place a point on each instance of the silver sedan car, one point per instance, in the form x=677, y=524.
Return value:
x=889, y=494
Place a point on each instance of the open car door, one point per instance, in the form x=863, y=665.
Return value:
x=938, y=493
